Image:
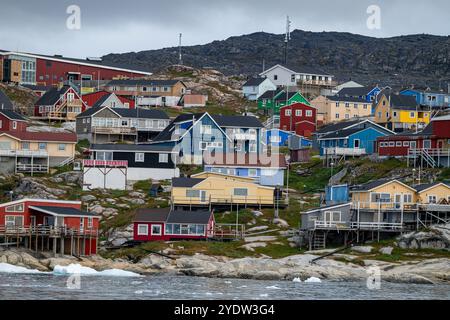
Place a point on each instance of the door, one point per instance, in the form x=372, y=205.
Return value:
x=357, y=144
x=203, y=196
x=398, y=201
x=32, y=221
x=49, y=221
x=440, y=144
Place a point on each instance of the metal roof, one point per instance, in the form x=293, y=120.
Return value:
x=62, y=211
x=189, y=217
x=184, y=182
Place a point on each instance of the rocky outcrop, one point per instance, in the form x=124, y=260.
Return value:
x=31, y=188
x=437, y=237
x=119, y=236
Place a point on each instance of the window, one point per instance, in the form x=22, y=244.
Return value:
x=163, y=158
x=347, y=116
x=412, y=115
x=298, y=113
x=61, y=147
x=379, y=114
x=309, y=113
x=355, y=106
x=293, y=78
x=42, y=146
x=104, y=156
x=84, y=120
x=365, y=107
x=192, y=193
x=70, y=97
x=156, y=230
x=203, y=145
x=169, y=229
x=124, y=123
x=275, y=77
x=14, y=125
x=25, y=146
x=406, y=143
x=252, y=172
x=139, y=157
x=407, y=198
x=275, y=139
x=15, y=208
x=347, y=105
x=398, y=144
x=427, y=144
x=337, y=115
x=253, y=147
x=381, y=197
x=205, y=129
x=287, y=113
x=392, y=144
x=14, y=221
x=394, y=114
x=241, y=192
x=142, y=230
x=90, y=222
x=337, y=104
x=432, y=199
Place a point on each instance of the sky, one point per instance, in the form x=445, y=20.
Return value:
x=118, y=26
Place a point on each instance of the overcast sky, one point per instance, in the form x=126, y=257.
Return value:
x=117, y=26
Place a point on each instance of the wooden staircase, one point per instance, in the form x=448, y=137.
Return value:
x=317, y=240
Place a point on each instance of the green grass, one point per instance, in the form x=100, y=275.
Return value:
x=82, y=144
x=375, y=170
x=444, y=175
x=314, y=181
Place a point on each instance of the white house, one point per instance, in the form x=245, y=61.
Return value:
x=256, y=87
x=283, y=76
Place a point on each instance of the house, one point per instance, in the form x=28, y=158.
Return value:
x=12, y=121
x=166, y=224
x=37, y=69
x=34, y=152
x=170, y=91
x=112, y=166
x=215, y=189
x=282, y=138
x=430, y=146
x=256, y=87
x=367, y=93
x=106, y=99
x=427, y=97
x=266, y=102
x=341, y=108
x=5, y=102
x=433, y=193
x=292, y=76
x=62, y=104
x=62, y=226
x=104, y=124
x=195, y=134
x=267, y=170
x=401, y=112
x=354, y=138
x=299, y=118
x=190, y=100
x=287, y=99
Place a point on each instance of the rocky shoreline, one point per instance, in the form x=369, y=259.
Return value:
x=429, y=271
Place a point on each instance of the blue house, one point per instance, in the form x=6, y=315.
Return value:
x=282, y=138
x=435, y=99
x=195, y=134
x=267, y=171
x=354, y=140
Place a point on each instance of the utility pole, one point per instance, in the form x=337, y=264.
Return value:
x=180, y=56
x=287, y=38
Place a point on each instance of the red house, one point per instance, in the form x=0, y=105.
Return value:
x=91, y=99
x=55, y=225
x=60, y=104
x=166, y=224
x=300, y=118
x=12, y=121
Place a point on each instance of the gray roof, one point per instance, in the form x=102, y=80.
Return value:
x=189, y=217
x=126, y=82
x=403, y=102
x=99, y=102
x=166, y=134
x=62, y=211
x=370, y=185
x=184, y=182
x=132, y=147
x=237, y=121
x=254, y=82
x=4, y=101
x=425, y=186
x=270, y=94
x=151, y=215
x=285, y=96
x=329, y=207
x=337, y=126
x=358, y=91
x=52, y=96
x=346, y=99
x=127, y=113
x=36, y=87
x=12, y=115
x=341, y=133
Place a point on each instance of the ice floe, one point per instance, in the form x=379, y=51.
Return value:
x=9, y=268
x=86, y=271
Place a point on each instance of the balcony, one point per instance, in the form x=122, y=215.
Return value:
x=385, y=226
x=23, y=153
x=115, y=130
x=336, y=151
x=105, y=163
x=316, y=82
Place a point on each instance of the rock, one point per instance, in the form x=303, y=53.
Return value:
x=136, y=194
x=108, y=212
x=88, y=198
x=121, y=235
x=438, y=237
x=257, y=214
x=281, y=222
x=255, y=229
x=123, y=206
x=97, y=209
x=386, y=250
x=111, y=201
x=156, y=262
x=137, y=202
x=260, y=239
x=362, y=249
x=251, y=246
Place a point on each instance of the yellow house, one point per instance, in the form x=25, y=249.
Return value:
x=400, y=112
x=218, y=189
x=384, y=195
x=335, y=108
x=434, y=193
x=31, y=152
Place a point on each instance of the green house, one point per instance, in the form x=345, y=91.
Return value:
x=272, y=101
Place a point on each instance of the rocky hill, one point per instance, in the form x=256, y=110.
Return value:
x=398, y=61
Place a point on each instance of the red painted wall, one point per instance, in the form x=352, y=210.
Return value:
x=441, y=128
x=300, y=127
x=57, y=70
x=400, y=151
x=7, y=124
x=71, y=90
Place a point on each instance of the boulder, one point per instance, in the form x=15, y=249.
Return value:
x=97, y=209
x=260, y=239
x=362, y=249
x=256, y=229
x=281, y=222
x=88, y=198
x=437, y=237
x=386, y=250
x=251, y=246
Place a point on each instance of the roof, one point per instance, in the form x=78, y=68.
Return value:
x=62, y=211
x=341, y=133
x=126, y=113
x=404, y=102
x=238, y=121
x=442, y=118
x=36, y=87
x=356, y=91
x=189, y=217
x=12, y=115
x=300, y=69
x=151, y=215
x=423, y=187
x=346, y=99
x=52, y=96
x=286, y=96
x=246, y=160
x=184, y=182
x=42, y=136
x=99, y=102
x=338, y=126
x=131, y=82
x=329, y=207
x=166, y=134
x=132, y=147
x=375, y=184
x=4, y=101
x=254, y=82
x=270, y=94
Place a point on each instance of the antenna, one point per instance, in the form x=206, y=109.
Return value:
x=287, y=37
x=180, y=57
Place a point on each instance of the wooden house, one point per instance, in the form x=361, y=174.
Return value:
x=168, y=225
x=11, y=121
x=299, y=118
x=256, y=87
x=341, y=108
x=104, y=98
x=433, y=193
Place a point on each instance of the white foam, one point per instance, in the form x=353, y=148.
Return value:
x=86, y=271
x=9, y=268
x=313, y=280
x=297, y=280
x=273, y=287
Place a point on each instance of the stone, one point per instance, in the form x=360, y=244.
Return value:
x=251, y=246
x=259, y=228
x=386, y=250
x=88, y=198
x=123, y=206
x=97, y=209
x=136, y=194
x=260, y=239
x=111, y=201
x=257, y=213
x=362, y=249
x=137, y=202
x=437, y=237
x=281, y=222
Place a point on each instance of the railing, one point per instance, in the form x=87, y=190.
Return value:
x=23, y=153
x=115, y=130
x=230, y=200
x=383, y=206
x=43, y=230
x=377, y=225
x=319, y=224
x=233, y=231
x=318, y=82
x=336, y=151
x=66, y=162
x=24, y=168
x=105, y=163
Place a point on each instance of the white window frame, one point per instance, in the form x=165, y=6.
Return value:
x=432, y=196
x=251, y=174
x=139, y=157
x=163, y=158
x=406, y=143
x=14, y=125
x=205, y=129
x=139, y=230
x=236, y=195
x=155, y=233
x=15, y=208
x=287, y=113
x=90, y=222
x=309, y=113
x=298, y=113
x=14, y=217
x=61, y=147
